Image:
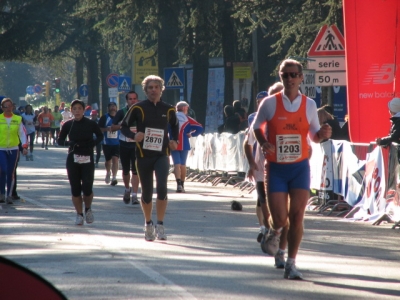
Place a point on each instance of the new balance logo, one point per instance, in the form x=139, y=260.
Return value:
x=377, y=74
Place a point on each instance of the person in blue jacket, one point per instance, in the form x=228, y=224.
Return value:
x=188, y=127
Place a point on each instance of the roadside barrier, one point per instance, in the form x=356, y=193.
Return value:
x=356, y=181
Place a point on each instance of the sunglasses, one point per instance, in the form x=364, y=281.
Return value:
x=291, y=74
x=6, y=106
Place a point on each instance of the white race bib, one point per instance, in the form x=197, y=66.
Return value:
x=57, y=123
x=153, y=139
x=81, y=159
x=112, y=134
x=46, y=120
x=288, y=147
x=134, y=130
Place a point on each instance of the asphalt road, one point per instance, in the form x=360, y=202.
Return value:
x=211, y=251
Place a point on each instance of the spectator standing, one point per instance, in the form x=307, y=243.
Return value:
x=152, y=117
x=394, y=134
x=188, y=127
x=232, y=120
x=12, y=133
x=80, y=160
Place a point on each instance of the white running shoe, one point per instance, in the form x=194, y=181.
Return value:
x=89, y=216
x=149, y=234
x=79, y=220
x=107, y=179
x=292, y=273
x=280, y=259
x=135, y=200
x=160, y=234
x=270, y=242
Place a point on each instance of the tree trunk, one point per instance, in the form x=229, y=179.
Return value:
x=105, y=70
x=79, y=63
x=200, y=75
x=228, y=49
x=167, y=51
x=93, y=77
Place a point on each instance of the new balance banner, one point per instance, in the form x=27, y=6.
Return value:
x=372, y=35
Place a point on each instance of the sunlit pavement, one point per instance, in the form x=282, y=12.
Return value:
x=211, y=251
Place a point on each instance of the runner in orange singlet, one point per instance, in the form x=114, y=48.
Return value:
x=291, y=117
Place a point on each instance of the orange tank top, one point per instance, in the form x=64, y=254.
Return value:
x=288, y=131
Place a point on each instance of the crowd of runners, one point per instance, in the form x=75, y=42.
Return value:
x=142, y=135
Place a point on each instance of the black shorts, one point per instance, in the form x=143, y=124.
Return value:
x=81, y=176
x=45, y=129
x=110, y=151
x=128, y=159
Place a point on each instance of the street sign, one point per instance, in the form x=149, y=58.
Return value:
x=330, y=78
x=307, y=86
x=37, y=88
x=29, y=90
x=84, y=90
x=112, y=92
x=146, y=63
x=174, y=78
x=112, y=80
x=124, y=83
x=329, y=42
x=327, y=63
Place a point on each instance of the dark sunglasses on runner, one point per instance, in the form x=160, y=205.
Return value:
x=291, y=74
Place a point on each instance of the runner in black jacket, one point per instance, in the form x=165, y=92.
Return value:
x=152, y=117
x=80, y=162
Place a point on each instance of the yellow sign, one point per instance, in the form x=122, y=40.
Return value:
x=146, y=63
x=242, y=72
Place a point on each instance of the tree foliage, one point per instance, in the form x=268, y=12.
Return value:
x=92, y=30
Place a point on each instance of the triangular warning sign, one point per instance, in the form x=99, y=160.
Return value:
x=174, y=80
x=124, y=85
x=329, y=42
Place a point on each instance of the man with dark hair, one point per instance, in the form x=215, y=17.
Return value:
x=127, y=148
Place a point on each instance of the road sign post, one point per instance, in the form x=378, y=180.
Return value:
x=174, y=78
x=84, y=90
x=307, y=86
x=330, y=78
x=29, y=90
x=124, y=83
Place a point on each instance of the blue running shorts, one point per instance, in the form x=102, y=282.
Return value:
x=285, y=177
